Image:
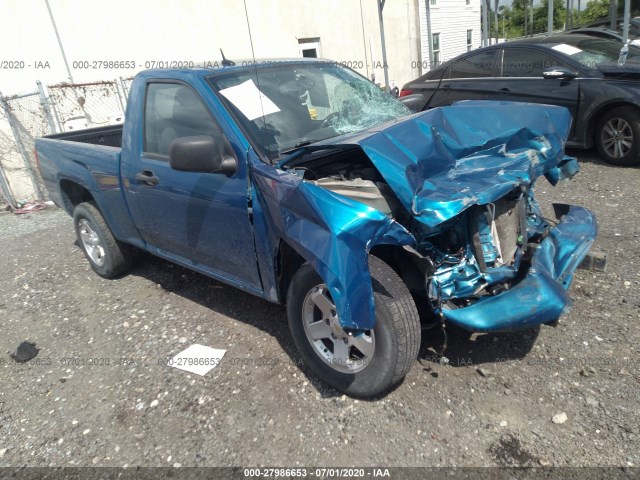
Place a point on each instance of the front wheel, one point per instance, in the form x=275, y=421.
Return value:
x=359, y=363
x=108, y=257
x=618, y=136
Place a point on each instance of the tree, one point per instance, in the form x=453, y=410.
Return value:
x=596, y=9
x=599, y=9
x=515, y=16
x=541, y=12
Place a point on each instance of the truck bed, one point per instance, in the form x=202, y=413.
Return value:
x=109, y=136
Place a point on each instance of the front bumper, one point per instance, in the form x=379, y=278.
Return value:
x=541, y=296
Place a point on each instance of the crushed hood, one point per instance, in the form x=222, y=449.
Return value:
x=444, y=160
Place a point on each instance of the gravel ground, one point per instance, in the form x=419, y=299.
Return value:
x=560, y=396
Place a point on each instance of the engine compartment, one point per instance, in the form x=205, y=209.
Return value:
x=350, y=173
x=477, y=253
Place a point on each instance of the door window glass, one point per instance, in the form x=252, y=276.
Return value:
x=474, y=66
x=521, y=62
x=173, y=111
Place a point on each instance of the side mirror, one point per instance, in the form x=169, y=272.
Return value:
x=561, y=73
x=415, y=102
x=201, y=153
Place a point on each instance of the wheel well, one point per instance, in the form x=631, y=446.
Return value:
x=403, y=263
x=73, y=194
x=287, y=263
x=413, y=276
x=595, y=117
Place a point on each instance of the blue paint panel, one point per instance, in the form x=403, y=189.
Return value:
x=95, y=168
x=331, y=232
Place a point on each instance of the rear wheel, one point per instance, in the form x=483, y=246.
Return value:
x=362, y=363
x=618, y=136
x=107, y=256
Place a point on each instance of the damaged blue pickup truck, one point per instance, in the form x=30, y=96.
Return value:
x=302, y=182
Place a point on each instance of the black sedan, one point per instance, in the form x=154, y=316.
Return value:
x=575, y=71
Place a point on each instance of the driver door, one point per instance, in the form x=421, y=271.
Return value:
x=197, y=219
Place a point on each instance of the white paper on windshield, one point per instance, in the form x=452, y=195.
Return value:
x=566, y=49
x=249, y=100
x=198, y=359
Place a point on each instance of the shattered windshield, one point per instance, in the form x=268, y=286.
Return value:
x=290, y=104
x=591, y=52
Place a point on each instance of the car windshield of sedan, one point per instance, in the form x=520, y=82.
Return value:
x=595, y=51
x=292, y=104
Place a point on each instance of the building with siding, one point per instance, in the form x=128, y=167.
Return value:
x=455, y=29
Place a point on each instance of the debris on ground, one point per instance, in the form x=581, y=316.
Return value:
x=26, y=351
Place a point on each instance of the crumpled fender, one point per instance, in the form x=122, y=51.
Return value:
x=333, y=233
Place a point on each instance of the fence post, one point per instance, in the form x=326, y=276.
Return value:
x=54, y=107
x=23, y=151
x=45, y=105
x=117, y=89
x=124, y=90
x=6, y=189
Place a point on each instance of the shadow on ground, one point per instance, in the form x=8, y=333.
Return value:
x=463, y=348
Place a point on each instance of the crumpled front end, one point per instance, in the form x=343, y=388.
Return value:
x=456, y=183
x=531, y=291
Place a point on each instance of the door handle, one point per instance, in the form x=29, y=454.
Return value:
x=504, y=90
x=147, y=177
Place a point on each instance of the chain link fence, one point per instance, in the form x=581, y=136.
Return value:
x=93, y=104
x=23, y=118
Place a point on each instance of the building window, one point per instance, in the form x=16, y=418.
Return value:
x=309, y=47
x=435, y=43
x=433, y=2
x=468, y=2
x=469, y=39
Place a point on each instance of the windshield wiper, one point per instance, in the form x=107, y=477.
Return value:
x=296, y=146
x=296, y=153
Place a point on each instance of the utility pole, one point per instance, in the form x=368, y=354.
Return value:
x=625, y=26
x=550, y=16
x=485, y=24
x=429, y=35
x=531, y=18
x=55, y=28
x=571, y=15
x=384, y=47
x=495, y=4
x=578, y=14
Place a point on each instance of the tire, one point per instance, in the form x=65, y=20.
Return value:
x=388, y=351
x=107, y=256
x=617, y=136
